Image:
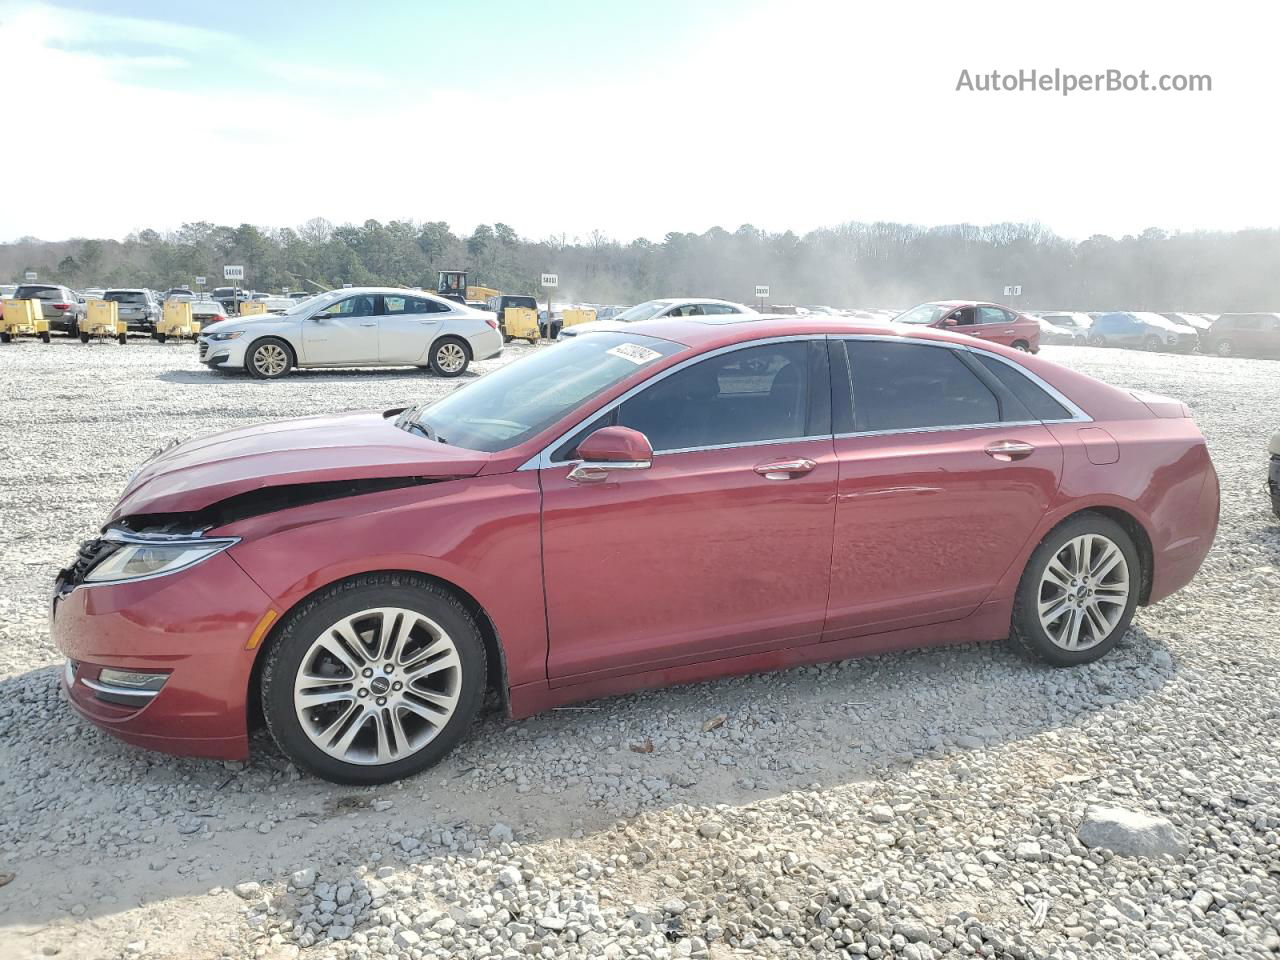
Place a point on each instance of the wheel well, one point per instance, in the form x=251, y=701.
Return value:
x=1138, y=533
x=293, y=354
x=457, y=339
x=495, y=658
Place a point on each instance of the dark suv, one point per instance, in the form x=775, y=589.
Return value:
x=61, y=306
x=1246, y=334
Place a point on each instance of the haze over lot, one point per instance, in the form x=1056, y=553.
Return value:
x=635, y=119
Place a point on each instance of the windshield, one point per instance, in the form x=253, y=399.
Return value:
x=641, y=311
x=925, y=313
x=311, y=303
x=510, y=405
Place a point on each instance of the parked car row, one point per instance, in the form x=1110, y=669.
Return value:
x=1227, y=334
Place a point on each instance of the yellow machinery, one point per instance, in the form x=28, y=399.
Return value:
x=22, y=318
x=251, y=308
x=521, y=323
x=579, y=315
x=103, y=320
x=177, y=322
x=482, y=293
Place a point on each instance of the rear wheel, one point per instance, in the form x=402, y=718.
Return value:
x=269, y=359
x=1151, y=343
x=1097, y=340
x=449, y=357
x=374, y=679
x=5, y=338
x=1224, y=348
x=1022, y=345
x=122, y=338
x=44, y=337
x=1078, y=592
x=160, y=337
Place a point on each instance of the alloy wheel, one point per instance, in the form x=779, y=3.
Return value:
x=1084, y=591
x=1225, y=348
x=271, y=360
x=378, y=686
x=451, y=358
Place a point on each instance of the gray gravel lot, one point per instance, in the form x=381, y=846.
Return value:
x=952, y=802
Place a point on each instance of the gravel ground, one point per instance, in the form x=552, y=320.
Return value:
x=953, y=802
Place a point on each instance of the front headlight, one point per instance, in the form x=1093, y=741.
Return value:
x=227, y=335
x=135, y=559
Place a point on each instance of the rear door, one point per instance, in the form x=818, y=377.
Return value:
x=996, y=324
x=346, y=331
x=407, y=326
x=722, y=546
x=943, y=477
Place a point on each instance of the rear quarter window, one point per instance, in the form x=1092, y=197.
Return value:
x=1041, y=405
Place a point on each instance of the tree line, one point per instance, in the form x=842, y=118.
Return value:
x=851, y=265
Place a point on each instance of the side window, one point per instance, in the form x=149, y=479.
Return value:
x=906, y=386
x=746, y=396
x=717, y=309
x=392, y=306
x=1033, y=397
x=359, y=306
x=993, y=315
x=965, y=317
x=1248, y=323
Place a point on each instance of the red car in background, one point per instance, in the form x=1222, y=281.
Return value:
x=986, y=321
x=680, y=500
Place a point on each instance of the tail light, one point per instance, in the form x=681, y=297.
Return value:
x=62, y=306
x=492, y=323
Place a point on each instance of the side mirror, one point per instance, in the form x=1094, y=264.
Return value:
x=322, y=316
x=611, y=448
x=950, y=322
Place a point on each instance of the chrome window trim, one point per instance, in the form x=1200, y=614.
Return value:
x=542, y=459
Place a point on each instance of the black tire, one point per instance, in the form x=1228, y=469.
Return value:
x=443, y=358
x=122, y=338
x=1097, y=340
x=1151, y=343
x=5, y=337
x=1225, y=348
x=84, y=338
x=159, y=337
x=313, y=617
x=1022, y=345
x=44, y=337
x=258, y=361
x=1027, y=633
x=73, y=331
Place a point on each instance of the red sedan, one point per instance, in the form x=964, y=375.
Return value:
x=986, y=321
x=681, y=500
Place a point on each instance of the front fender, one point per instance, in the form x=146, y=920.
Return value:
x=480, y=534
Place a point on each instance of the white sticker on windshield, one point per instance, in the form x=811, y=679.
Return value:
x=635, y=353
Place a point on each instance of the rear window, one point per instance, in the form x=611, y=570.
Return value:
x=529, y=302
x=37, y=293
x=125, y=296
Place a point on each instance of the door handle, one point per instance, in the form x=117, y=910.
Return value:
x=1009, y=450
x=374, y=324
x=784, y=469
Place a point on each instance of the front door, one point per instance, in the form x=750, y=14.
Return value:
x=407, y=327
x=931, y=511
x=723, y=546
x=344, y=332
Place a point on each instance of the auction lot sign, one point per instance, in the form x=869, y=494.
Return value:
x=233, y=273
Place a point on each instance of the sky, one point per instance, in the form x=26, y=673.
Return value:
x=631, y=117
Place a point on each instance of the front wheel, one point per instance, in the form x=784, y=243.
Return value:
x=1224, y=348
x=122, y=338
x=374, y=679
x=44, y=337
x=1151, y=344
x=5, y=337
x=84, y=338
x=269, y=359
x=1097, y=340
x=450, y=357
x=159, y=337
x=1078, y=592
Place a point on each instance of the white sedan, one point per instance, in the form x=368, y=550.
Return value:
x=666, y=307
x=355, y=327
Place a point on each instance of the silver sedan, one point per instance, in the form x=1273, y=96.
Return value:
x=355, y=327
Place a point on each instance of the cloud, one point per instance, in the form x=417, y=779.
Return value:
x=790, y=115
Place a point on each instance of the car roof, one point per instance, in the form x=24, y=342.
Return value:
x=703, y=333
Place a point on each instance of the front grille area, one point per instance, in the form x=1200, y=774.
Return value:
x=87, y=557
x=204, y=349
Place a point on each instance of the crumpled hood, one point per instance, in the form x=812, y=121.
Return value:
x=356, y=446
